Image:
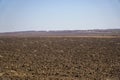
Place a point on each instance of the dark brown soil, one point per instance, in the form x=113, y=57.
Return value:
x=60, y=58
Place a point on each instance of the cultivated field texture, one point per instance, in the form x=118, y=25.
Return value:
x=60, y=58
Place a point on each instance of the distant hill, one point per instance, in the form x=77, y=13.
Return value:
x=96, y=32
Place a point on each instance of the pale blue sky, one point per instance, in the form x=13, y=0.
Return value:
x=22, y=15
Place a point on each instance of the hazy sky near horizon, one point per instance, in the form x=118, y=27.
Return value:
x=22, y=15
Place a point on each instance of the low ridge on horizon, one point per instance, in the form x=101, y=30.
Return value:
x=59, y=30
x=91, y=32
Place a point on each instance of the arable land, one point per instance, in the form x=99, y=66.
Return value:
x=60, y=58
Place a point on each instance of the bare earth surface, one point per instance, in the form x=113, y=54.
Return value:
x=60, y=58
